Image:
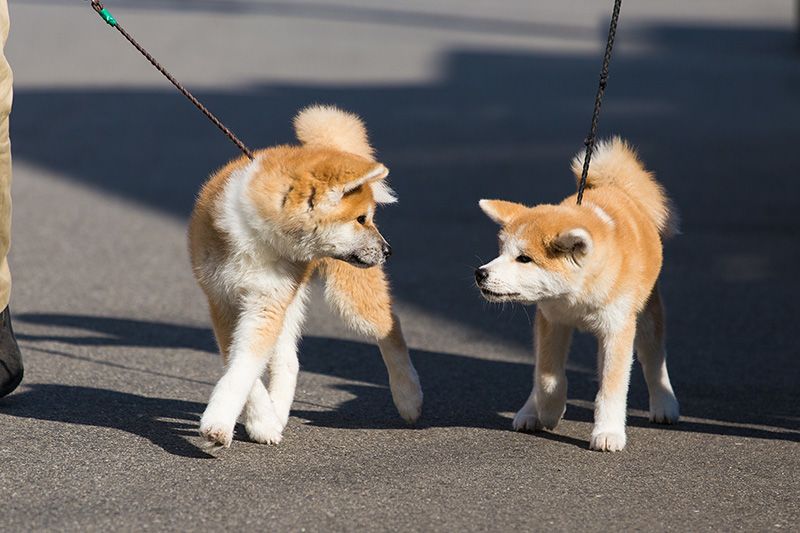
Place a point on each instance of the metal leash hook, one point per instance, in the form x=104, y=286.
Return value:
x=104, y=13
x=598, y=101
x=111, y=21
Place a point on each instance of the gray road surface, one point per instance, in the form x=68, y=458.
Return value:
x=465, y=100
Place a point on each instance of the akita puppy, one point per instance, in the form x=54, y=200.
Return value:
x=258, y=232
x=594, y=267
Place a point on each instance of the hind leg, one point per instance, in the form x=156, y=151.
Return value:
x=652, y=355
x=361, y=296
x=283, y=365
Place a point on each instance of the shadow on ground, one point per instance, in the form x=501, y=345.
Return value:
x=162, y=421
x=495, y=125
x=714, y=110
x=459, y=391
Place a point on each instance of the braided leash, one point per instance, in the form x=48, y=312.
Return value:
x=598, y=101
x=589, y=142
x=111, y=21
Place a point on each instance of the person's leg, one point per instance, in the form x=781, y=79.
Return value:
x=10, y=360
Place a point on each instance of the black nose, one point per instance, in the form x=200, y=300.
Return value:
x=387, y=251
x=481, y=274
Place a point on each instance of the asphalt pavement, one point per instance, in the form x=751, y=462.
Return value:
x=464, y=100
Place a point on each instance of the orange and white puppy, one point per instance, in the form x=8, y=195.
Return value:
x=594, y=267
x=258, y=232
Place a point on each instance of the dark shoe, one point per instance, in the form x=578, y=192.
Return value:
x=10, y=358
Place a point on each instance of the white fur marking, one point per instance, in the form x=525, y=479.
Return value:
x=382, y=193
x=235, y=209
x=605, y=217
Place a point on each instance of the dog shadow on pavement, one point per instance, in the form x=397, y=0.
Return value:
x=164, y=422
x=493, y=123
x=460, y=391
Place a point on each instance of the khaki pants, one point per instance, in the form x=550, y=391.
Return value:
x=5, y=159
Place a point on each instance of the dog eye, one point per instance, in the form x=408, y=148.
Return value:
x=523, y=259
x=362, y=219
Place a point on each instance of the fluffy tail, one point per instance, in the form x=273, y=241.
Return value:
x=330, y=127
x=614, y=162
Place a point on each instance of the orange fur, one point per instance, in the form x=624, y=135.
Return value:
x=361, y=296
x=593, y=266
x=616, y=356
x=271, y=323
x=223, y=320
x=258, y=232
x=615, y=164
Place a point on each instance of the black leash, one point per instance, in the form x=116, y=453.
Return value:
x=111, y=21
x=589, y=142
x=598, y=101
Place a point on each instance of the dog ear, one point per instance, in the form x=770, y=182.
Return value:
x=371, y=175
x=501, y=211
x=374, y=174
x=576, y=242
x=375, y=178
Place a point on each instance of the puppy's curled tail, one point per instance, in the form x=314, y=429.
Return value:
x=327, y=126
x=615, y=163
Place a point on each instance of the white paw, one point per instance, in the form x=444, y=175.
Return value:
x=216, y=435
x=664, y=408
x=526, y=420
x=407, y=396
x=607, y=441
x=264, y=430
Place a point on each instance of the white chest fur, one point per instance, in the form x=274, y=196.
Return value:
x=587, y=317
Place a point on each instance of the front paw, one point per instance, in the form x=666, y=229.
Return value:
x=264, y=429
x=664, y=408
x=216, y=434
x=607, y=441
x=526, y=420
x=407, y=397
x=532, y=417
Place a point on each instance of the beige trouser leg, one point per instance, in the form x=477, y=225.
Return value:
x=5, y=160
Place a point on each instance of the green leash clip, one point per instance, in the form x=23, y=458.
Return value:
x=108, y=17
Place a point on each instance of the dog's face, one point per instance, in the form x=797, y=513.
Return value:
x=345, y=228
x=544, y=254
x=322, y=203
